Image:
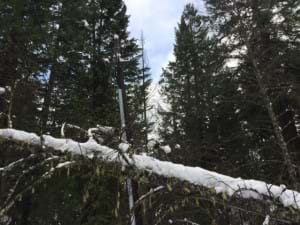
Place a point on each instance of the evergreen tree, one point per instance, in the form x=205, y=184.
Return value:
x=138, y=99
x=228, y=119
x=57, y=61
x=264, y=33
x=21, y=62
x=199, y=89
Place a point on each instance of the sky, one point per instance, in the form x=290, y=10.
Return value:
x=157, y=20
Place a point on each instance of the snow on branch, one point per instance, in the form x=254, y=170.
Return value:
x=12, y=165
x=195, y=175
x=2, y=90
x=99, y=133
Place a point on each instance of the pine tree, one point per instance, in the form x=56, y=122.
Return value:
x=21, y=62
x=138, y=99
x=266, y=32
x=198, y=86
x=63, y=52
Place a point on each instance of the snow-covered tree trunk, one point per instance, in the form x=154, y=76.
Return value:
x=225, y=185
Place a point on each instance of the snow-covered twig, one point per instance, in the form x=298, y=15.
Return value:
x=2, y=90
x=148, y=194
x=11, y=201
x=106, y=130
x=184, y=221
x=67, y=125
x=267, y=220
x=268, y=217
x=14, y=164
x=99, y=133
x=195, y=175
x=24, y=173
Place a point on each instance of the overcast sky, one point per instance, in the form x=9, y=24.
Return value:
x=157, y=19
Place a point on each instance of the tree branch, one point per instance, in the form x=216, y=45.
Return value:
x=252, y=189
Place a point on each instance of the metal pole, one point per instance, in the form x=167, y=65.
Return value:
x=120, y=82
x=124, y=139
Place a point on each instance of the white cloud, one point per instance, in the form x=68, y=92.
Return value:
x=157, y=19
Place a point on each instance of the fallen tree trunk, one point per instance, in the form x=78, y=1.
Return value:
x=247, y=189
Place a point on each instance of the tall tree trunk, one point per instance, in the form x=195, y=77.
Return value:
x=48, y=99
x=94, y=64
x=144, y=92
x=275, y=123
x=11, y=102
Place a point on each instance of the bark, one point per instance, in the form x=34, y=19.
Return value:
x=48, y=99
x=144, y=93
x=10, y=103
x=275, y=123
x=94, y=64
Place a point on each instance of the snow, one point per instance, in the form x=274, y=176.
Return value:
x=267, y=220
x=157, y=103
x=106, y=130
x=91, y=131
x=105, y=59
x=9, y=167
x=277, y=19
x=64, y=164
x=85, y=23
x=151, y=144
x=124, y=147
x=166, y=148
x=61, y=59
x=232, y=63
x=177, y=146
x=62, y=130
x=151, y=192
x=297, y=123
x=2, y=90
x=195, y=175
